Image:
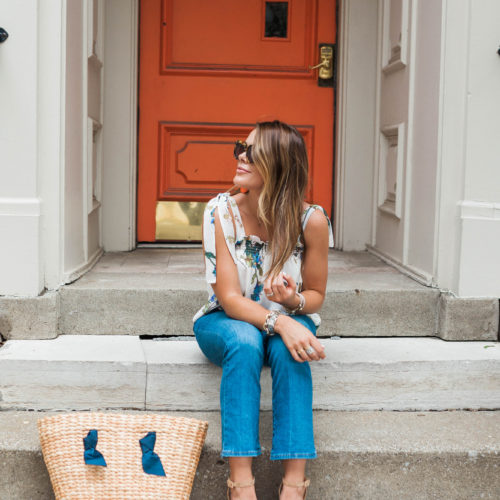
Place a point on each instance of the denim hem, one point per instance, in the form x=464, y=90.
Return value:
x=229, y=453
x=287, y=456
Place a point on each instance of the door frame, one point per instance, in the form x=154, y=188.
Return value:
x=356, y=118
x=352, y=220
x=120, y=122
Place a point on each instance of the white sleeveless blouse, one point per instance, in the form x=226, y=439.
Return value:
x=250, y=254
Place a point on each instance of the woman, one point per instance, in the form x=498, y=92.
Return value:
x=266, y=254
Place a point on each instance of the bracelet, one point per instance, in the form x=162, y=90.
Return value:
x=302, y=303
x=271, y=319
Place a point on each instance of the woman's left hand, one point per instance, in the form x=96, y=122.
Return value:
x=276, y=290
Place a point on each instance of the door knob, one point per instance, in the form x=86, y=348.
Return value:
x=324, y=63
x=3, y=35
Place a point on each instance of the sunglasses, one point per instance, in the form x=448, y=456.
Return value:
x=242, y=146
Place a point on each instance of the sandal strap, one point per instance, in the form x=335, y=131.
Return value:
x=304, y=483
x=232, y=484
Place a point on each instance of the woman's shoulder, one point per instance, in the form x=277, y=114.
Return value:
x=316, y=217
x=221, y=201
x=238, y=198
x=317, y=223
x=213, y=202
x=314, y=212
x=224, y=208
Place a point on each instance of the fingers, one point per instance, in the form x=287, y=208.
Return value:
x=295, y=355
x=311, y=350
x=278, y=286
x=292, y=285
x=272, y=291
x=268, y=290
x=318, y=347
x=308, y=355
x=276, y=290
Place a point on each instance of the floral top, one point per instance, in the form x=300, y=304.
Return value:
x=250, y=254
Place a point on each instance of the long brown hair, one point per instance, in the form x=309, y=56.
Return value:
x=280, y=155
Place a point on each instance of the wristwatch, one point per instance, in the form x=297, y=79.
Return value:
x=271, y=319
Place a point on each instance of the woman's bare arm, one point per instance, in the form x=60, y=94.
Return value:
x=314, y=270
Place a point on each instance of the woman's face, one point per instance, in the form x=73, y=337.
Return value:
x=247, y=176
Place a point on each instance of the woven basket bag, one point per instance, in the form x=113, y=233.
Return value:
x=179, y=442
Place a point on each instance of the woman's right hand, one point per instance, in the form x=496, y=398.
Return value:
x=297, y=338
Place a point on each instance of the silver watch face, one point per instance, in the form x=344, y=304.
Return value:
x=270, y=322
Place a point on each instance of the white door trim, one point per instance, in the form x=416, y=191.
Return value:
x=356, y=123
x=120, y=125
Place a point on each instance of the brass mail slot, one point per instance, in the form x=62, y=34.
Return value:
x=179, y=220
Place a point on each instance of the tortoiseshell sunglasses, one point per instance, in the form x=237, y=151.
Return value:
x=242, y=146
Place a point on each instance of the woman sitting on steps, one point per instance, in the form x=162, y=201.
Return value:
x=266, y=254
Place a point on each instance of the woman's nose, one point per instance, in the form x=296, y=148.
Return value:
x=243, y=157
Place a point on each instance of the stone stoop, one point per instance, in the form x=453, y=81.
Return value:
x=372, y=455
x=363, y=453
x=157, y=292
x=120, y=371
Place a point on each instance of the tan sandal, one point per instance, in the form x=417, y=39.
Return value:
x=304, y=484
x=232, y=484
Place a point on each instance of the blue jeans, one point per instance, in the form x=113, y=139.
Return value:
x=241, y=350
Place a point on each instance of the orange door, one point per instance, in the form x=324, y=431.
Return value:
x=208, y=71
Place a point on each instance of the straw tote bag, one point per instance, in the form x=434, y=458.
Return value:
x=121, y=439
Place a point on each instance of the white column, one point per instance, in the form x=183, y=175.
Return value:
x=20, y=268
x=468, y=213
x=51, y=135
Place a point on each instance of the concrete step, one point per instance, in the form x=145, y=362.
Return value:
x=119, y=371
x=372, y=455
x=157, y=292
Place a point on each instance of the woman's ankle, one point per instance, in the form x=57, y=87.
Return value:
x=243, y=494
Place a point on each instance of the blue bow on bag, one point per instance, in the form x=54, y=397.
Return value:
x=91, y=455
x=151, y=462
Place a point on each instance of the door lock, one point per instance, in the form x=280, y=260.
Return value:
x=326, y=64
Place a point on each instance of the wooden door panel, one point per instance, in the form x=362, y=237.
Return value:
x=206, y=76
x=184, y=148
x=232, y=24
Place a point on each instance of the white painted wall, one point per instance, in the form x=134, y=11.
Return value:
x=43, y=150
x=74, y=144
x=451, y=161
x=442, y=101
x=82, y=239
x=93, y=104
x=394, y=123
x=51, y=135
x=20, y=205
x=424, y=140
x=469, y=188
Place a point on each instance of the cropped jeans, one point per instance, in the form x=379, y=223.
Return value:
x=241, y=350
